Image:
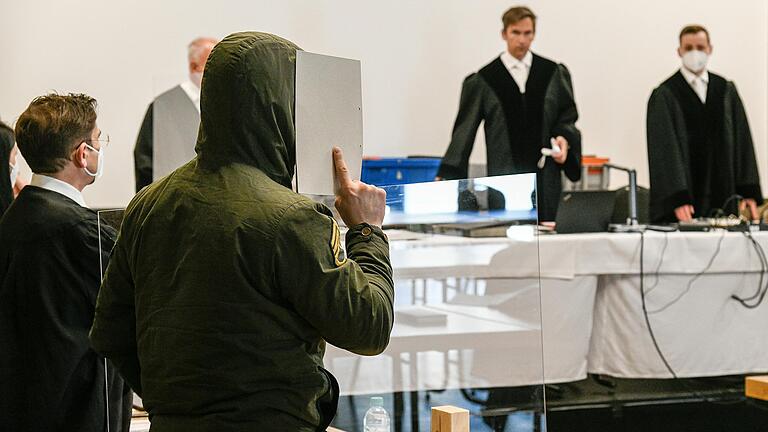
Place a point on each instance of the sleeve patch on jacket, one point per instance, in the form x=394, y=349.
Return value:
x=339, y=256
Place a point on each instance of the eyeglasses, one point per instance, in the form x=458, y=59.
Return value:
x=103, y=140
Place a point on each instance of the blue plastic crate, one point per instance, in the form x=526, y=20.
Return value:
x=394, y=171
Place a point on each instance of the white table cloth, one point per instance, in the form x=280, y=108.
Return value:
x=590, y=310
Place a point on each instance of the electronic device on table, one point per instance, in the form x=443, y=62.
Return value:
x=474, y=229
x=728, y=223
x=584, y=211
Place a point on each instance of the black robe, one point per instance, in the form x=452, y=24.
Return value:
x=175, y=119
x=50, y=377
x=6, y=188
x=699, y=153
x=142, y=152
x=517, y=126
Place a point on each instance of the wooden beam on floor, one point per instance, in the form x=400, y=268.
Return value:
x=757, y=387
x=449, y=419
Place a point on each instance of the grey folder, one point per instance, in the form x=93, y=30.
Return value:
x=328, y=113
x=174, y=130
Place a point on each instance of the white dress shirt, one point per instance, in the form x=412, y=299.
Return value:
x=698, y=83
x=519, y=69
x=58, y=186
x=193, y=92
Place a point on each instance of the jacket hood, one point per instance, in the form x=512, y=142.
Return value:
x=247, y=105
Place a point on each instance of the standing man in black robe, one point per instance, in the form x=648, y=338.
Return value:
x=50, y=252
x=700, y=153
x=527, y=103
x=168, y=132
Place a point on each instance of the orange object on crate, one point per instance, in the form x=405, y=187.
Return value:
x=594, y=164
x=594, y=174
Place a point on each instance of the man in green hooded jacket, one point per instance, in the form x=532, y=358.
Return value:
x=224, y=284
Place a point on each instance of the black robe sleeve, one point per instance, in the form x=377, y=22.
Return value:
x=142, y=153
x=666, y=156
x=565, y=124
x=455, y=163
x=6, y=188
x=746, y=174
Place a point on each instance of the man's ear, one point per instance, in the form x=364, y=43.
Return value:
x=79, y=156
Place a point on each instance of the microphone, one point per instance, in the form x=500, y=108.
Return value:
x=548, y=152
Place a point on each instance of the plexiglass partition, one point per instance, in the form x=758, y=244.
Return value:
x=468, y=327
x=109, y=222
x=467, y=309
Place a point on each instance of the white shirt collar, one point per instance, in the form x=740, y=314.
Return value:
x=58, y=186
x=193, y=92
x=690, y=77
x=510, y=61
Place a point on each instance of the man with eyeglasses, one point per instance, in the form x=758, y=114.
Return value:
x=50, y=251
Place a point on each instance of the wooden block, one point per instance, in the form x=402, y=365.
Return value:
x=450, y=419
x=757, y=387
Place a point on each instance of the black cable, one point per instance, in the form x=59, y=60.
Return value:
x=716, y=213
x=645, y=310
x=658, y=266
x=752, y=306
x=694, y=392
x=736, y=197
x=761, y=252
x=762, y=290
x=763, y=264
x=694, y=278
x=763, y=267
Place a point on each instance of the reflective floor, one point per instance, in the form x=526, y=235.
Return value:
x=352, y=410
x=598, y=404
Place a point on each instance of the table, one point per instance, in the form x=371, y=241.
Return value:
x=467, y=328
x=700, y=329
x=590, y=315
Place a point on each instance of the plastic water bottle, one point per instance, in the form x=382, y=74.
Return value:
x=376, y=418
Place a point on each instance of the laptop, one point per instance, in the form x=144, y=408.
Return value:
x=585, y=211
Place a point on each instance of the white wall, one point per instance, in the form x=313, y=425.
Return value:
x=414, y=55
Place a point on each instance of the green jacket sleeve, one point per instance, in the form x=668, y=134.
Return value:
x=113, y=333
x=349, y=300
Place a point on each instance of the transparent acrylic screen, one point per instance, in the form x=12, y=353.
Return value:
x=468, y=330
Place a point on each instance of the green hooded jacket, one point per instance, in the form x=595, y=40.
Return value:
x=224, y=284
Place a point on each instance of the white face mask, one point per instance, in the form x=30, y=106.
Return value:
x=14, y=173
x=695, y=61
x=196, y=78
x=100, y=162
